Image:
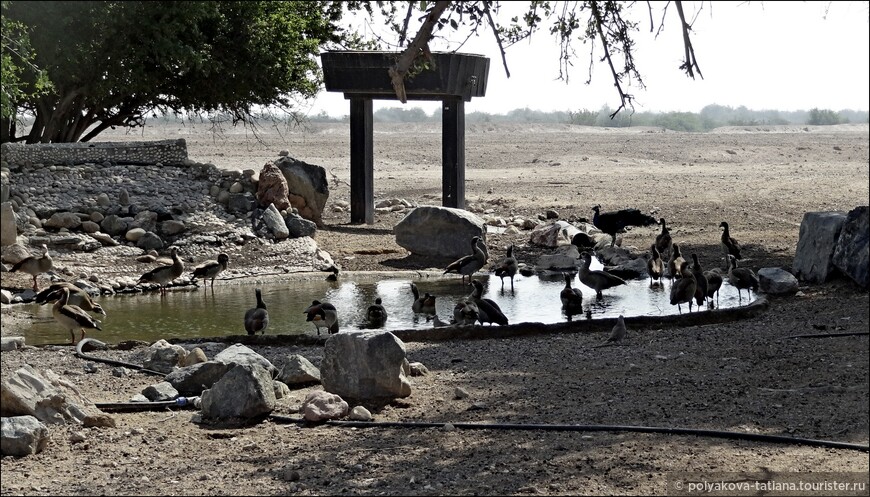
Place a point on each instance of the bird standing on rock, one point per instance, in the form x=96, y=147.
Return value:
x=257, y=318
x=470, y=264
x=211, y=269
x=596, y=280
x=72, y=316
x=616, y=222
x=164, y=274
x=35, y=265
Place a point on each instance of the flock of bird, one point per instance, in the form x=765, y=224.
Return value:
x=689, y=282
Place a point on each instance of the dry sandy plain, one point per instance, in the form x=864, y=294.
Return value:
x=745, y=376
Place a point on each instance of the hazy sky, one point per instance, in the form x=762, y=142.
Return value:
x=763, y=55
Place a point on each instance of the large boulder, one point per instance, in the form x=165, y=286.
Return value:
x=816, y=242
x=776, y=281
x=308, y=187
x=22, y=436
x=245, y=391
x=439, y=231
x=365, y=365
x=272, y=188
x=8, y=229
x=851, y=252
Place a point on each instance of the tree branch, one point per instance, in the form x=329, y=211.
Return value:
x=690, y=61
x=599, y=23
x=497, y=38
x=419, y=45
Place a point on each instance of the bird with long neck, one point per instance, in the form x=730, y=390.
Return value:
x=675, y=263
x=572, y=298
x=257, y=318
x=77, y=296
x=211, y=269
x=507, y=267
x=663, y=239
x=655, y=267
x=72, y=317
x=741, y=278
x=35, y=265
x=730, y=246
x=468, y=265
x=683, y=291
x=700, y=280
x=164, y=275
x=595, y=279
x=489, y=311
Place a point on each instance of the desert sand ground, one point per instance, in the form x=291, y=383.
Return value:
x=746, y=376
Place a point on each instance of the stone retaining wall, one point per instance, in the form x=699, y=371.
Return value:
x=166, y=152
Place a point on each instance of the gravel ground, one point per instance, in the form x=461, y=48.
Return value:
x=745, y=376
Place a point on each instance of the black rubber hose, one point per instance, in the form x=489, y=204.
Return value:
x=827, y=335
x=734, y=435
x=159, y=405
x=113, y=362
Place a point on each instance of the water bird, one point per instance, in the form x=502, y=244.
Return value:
x=572, y=298
x=700, y=280
x=683, y=291
x=35, y=265
x=730, y=246
x=616, y=222
x=465, y=312
x=714, y=283
x=257, y=318
x=655, y=266
x=334, y=276
x=663, y=239
x=488, y=310
x=323, y=315
x=507, y=267
x=675, y=263
x=211, y=269
x=376, y=314
x=72, y=316
x=77, y=296
x=469, y=264
x=424, y=304
x=596, y=280
x=164, y=274
x=741, y=278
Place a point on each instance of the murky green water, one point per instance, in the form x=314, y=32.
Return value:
x=206, y=312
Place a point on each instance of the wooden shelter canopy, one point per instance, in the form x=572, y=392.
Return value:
x=364, y=76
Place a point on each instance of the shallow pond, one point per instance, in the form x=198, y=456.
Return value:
x=206, y=312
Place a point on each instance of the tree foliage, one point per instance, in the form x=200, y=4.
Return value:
x=114, y=63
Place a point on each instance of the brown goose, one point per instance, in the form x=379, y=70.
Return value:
x=376, y=314
x=702, y=285
x=663, y=239
x=741, y=277
x=323, y=315
x=424, y=304
x=164, y=274
x=257, y=318
x=683, y=291
x=465, y=312
x=72, y=316
x=507, y=267
x=572, y=298
x=675, y=263
x=714, y=283
x=34, y=266
x=77, y=296
x=211, y=269
x=596, y=280
x=488, y=310
x=470, y=264
x=729, y=245
x=655, y=266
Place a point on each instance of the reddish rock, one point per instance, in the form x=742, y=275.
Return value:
x=272, y=187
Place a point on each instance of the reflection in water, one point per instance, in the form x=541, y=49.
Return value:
x=207, y=312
